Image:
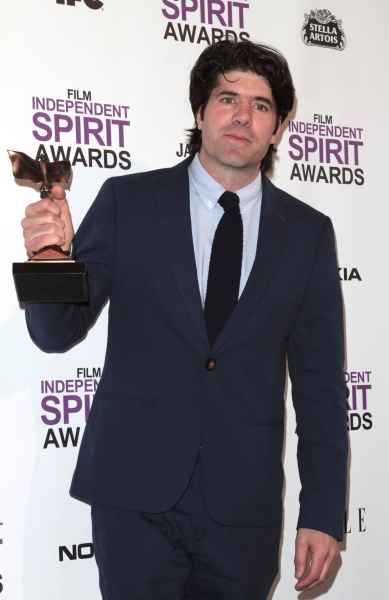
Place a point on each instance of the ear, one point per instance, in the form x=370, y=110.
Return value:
x=199, y=120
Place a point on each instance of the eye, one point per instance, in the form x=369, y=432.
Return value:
x=228, y=100
x=260, y=107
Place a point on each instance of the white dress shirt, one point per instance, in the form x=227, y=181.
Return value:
x=206, y=212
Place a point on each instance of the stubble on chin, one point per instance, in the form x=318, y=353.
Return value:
x=233, y=157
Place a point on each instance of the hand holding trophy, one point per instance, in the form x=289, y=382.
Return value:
x=50, y=274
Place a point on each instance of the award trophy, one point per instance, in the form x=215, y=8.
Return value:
x=50, y=275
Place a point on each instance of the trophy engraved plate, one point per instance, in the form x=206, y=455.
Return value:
x=49, y=275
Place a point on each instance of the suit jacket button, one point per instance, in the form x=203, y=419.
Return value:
x=210, y=364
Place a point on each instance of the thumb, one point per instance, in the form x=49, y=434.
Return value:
x=58, y=195
x=300, y=558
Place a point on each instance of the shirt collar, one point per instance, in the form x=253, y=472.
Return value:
x=210, y=190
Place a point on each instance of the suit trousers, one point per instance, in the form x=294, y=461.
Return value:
x=182, y=553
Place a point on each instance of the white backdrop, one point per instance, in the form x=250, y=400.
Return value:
x=131, y=55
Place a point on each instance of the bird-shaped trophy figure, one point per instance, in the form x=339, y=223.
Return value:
x=50, y=275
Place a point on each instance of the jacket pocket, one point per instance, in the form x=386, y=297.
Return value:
x=128, y=398
x=263, y=423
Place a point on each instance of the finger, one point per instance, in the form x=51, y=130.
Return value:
x=321, y=563
x=300, y=558
x=45, y=229
x=42, y=219
x=42, y=206
x=36, y=244
x=334, y=560
x=316, y=579
x=38, y=237
x=312, y=578
x=333, y=554
x=48, y=222
x=328, y=564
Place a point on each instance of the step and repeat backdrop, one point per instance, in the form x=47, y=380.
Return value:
x=105, y=85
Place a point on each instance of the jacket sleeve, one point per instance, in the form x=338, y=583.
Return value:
x=316, y=361
x=54, y=327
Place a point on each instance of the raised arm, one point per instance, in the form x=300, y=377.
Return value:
x=55, y=326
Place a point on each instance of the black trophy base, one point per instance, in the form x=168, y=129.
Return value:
x=50, y=281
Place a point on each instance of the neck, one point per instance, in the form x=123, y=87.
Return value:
x=231, y=178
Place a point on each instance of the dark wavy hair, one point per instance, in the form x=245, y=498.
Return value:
x=225, y=56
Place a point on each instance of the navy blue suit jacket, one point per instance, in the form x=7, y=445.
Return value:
x=156, y=404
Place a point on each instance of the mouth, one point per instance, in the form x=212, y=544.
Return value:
x=236, y=137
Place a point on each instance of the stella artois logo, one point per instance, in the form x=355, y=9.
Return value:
x=321, y=28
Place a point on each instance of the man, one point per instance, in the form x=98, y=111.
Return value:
x=215, y=277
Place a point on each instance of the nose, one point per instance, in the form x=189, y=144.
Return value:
x=242, y=115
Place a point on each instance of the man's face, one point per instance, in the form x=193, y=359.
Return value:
x=239, y=121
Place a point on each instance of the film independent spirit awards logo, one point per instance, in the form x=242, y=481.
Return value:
x=321, y=28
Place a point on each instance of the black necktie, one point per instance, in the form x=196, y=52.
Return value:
x=225, y=267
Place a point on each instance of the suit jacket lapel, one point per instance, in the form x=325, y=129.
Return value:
x=272, y=235
x=172, y=199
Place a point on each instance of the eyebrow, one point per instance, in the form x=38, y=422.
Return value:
x=257, y=98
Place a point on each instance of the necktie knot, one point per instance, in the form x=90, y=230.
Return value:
x=229, y=201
